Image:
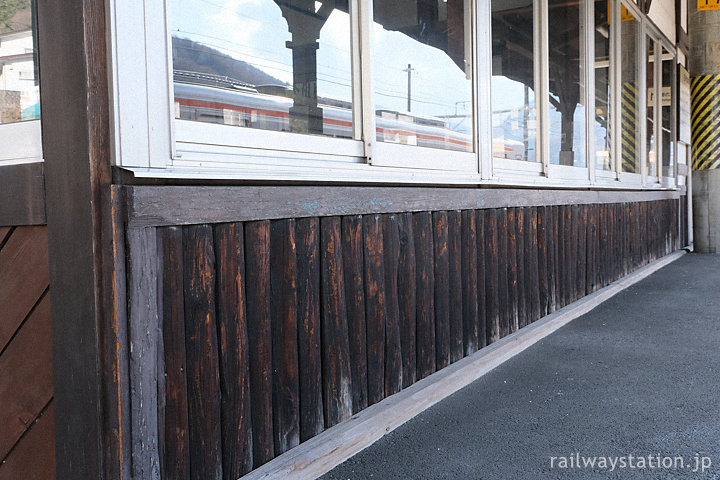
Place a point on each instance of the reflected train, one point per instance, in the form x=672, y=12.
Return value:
x=267, y=107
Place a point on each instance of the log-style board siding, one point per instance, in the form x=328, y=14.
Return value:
x=275, y=330
x=27, y=430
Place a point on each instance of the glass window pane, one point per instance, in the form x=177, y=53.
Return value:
x=603, y=140
x=567, y=68
x=650, y=107
x=513, y=80
x=629, y=94
x=422, y=73
x=281, y=65
x=668, y=114
x=19, y=87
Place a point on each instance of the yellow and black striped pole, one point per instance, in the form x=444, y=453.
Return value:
x=705, y=100
x=628, y=129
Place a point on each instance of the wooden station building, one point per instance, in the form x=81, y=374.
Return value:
x=229, y=226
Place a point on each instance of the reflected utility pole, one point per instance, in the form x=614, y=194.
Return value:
x=409, y=71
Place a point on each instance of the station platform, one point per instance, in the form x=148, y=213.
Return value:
x=629, y=390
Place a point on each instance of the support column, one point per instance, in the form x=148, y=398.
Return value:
x=705, y=72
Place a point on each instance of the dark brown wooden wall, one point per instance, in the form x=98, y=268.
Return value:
x=27, y=440
x=272, y=331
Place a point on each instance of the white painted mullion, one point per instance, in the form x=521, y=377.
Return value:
x=356, y=69
x=483, y=84
x=542, y=82
x=589, y=53
x=641, y=73
x=365, y=8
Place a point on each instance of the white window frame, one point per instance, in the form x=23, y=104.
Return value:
x=152, y=143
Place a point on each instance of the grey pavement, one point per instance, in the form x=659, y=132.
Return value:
x=639, y=376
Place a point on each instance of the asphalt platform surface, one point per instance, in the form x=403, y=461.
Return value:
x=639, y=376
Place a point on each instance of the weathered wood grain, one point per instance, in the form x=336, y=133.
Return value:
x=144, y=335
x=442, y=289
x=34, y=455
x=22, y=194
x=425, y=296
x=203, y=366
x=581, y=255
x=353, y=268
x=502, y=278
x=407, y=304
x=24, y=276
x=469, y=277
x=337, y=393
x=175, y=440
x=543, y=280
x=393, y=351
x=492, y=305
x=455, y=284
x=512, y=270
x=284, y=318
x=257, y=290
x=307, y=240
x=26, y=382
x=233, y=342
x=531, y=265
x=175, y=205
x=375, y=306
x=522, y=293
x=481, y=273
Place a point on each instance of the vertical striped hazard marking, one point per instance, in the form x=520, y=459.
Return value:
x=705, y=100
x=628, y=129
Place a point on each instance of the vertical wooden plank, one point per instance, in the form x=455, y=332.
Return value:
x=456, y=286
x=284, y=318
x=569, y=240
x=512, y=270
x=520, y=235
x=393, y=353
x=236, y=420
x=481, y=267
x=353, y=267
x=407, y=290
x=469, y=282
x=375, y=307
x=603, y=251
x=337, y=393
x=425, y=296
x=176, y=447
x=502, y=278
x=442, y=289
x=492, y=307
x=551, y=239
x=257, y=289
x=203, y=369
x=581, y=262
x=531, y=266
x=542, y=237
x=143, y=336
x=560, y=237
x=307, y=244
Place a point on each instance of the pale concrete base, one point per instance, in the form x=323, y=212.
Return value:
x=706, y=210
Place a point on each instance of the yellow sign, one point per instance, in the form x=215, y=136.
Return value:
x=625, y=14
x=708, y=5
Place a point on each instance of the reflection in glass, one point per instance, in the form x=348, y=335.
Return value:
x=603, y=141
x=422, y=73
x=668, y=114
x=513, y=80
x=19, y=91
x=279, y=65
x=650, y=107
x=567, y=67
x=630, y=114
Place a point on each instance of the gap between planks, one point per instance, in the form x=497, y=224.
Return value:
x=322, y=453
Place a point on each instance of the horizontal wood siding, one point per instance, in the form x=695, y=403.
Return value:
x=274, y=330
x=27, y=420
